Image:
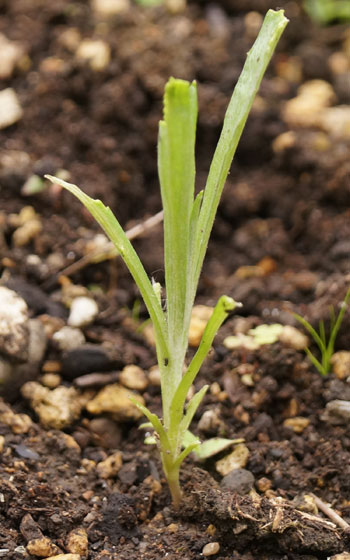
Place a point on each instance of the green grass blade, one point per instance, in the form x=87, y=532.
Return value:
x=321, y=368
x=180, y=459
x=337, y=323
x=191, y=410
x=176, y=167
x=109, y=223
x=156, y=423
x=312, y=331
x=237, y=113
x=223, y=307
x=322, y=332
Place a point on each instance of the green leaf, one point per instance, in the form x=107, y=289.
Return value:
x=213, y=446
x=190, y=439
x=156, y=423
x=223, y=307
x=311, y=330
x=109, y=223
x=236, y=115
x=176, y=168
x=191, y=409
x=321, y=368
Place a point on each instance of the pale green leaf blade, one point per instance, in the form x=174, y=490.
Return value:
x=236, y=115
x=311, y=330
x=109, y=223
x=191, y=409
x=154, y=420
x=176, y=168
x=224, y=306
x=213, y=446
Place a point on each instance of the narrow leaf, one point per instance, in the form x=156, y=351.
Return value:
x=156, y=423
x=236, y=115
x=109, y=223
x=311, y=330
x=223, y=307
x=176, y=167
x=213, y=446
x=191, y=410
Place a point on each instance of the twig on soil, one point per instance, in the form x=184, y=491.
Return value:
x=95, y=379
x=109, y=251
x=327, y=510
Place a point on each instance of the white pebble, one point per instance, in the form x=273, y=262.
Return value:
x=108, y=8
x=96, y=53
x=10, y=108
x=82, y=312
x=210, y=549
x=68, y=338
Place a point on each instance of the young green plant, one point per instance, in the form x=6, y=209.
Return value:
x=326, y=347
x=188, y=220
x=325, y=12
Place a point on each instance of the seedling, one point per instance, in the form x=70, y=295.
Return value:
x=326, y=347
x=327, y=11
x=188, y=220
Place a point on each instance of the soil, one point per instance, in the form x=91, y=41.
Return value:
x=280, y=245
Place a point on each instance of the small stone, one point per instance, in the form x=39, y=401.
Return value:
x=173, y=528
x=114, y=400
x=304, y=110
x=42, y=547
x=2, y=443
x=88, y=358
x=14, y=333
x=25, y=233
x=68, y=338
x=211, y=549
x=51, y=366
x=10, y=108
x=56, y=409
x=95, y=52
x=133, y=377
x=69, y=442
x=52, y=65
x=263, y=484
x=341, y=364
x=19, y=423
x=64, y=557
x=11, y=52
x=297, y=424
x=70, y=39
x=83, y=311
x=252, y=24
x=342, y=556
x=77, y=542
x=37, y=341
x=337, y=412
x=215, y=389
x=50, y=380
x=110, y=467
x=210, y=422
x=211, y=530
x=247, y=380
x=109, y=8
x=292, y=337
x=336, y=121
x=105, y=433
x=238, y=480
x=199, y=319
x=235, y=460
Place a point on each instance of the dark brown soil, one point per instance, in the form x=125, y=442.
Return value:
x=286, y=212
